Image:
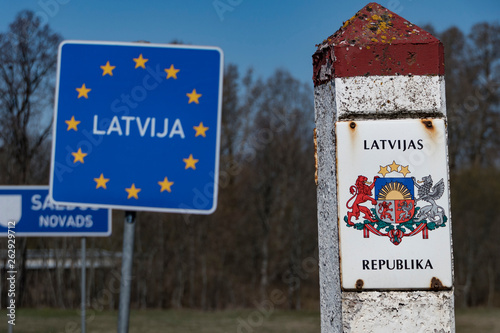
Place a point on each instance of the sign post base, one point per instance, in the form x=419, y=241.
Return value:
x=126, y=278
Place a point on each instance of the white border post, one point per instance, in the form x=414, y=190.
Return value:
x=380, y=68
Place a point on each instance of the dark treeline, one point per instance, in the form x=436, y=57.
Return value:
x=260, y=244
x=472, y=65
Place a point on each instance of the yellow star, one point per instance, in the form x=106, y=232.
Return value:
x=140, y=62
x=83, y=91
x=171, y=72
x=193, y=97
x=72, y=123
x=165, y=185
x=101, y=181
x=190, y=162
x=78, y=156
x=393, y=166
x=107, y=69
x=200, y=130
x=132, y=192
x=404, y=170
x=383, y=170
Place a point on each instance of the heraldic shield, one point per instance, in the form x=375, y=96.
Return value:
x=395, y=199
x=400, y=207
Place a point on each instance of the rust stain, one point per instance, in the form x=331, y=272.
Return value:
x=359, y=284
x=316, y=157
x=428, y=124
x=436, y=284
x=354, y=135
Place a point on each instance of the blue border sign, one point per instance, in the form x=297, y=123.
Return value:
x=137, y=126
x=35, y=214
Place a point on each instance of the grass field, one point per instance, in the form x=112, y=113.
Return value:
x=183, y=321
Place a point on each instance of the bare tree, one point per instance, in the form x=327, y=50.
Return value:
x=278, y=144
x=28, y=56
x=473, y=104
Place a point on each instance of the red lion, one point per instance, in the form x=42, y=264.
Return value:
x=362, y=193
x=384, y=209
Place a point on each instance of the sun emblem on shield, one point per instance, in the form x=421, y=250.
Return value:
x=396, y=212
x=395, y=199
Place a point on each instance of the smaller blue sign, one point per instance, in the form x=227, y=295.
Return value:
x=29, y=211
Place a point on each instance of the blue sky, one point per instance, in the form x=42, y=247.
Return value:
x=261, y=34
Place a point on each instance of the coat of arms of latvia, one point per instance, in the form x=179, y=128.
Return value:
x=400, y=206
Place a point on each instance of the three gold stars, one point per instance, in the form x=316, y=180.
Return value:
x=132, y=192
x=72, y=123
x=171, y=72
x=140, y=62
x=83, y=91
x=193, y=97
x=78, y=156
x=165, y=185
x=190, y=162
x=107, y=69
x=101, y=181
x=394, y=167
x=200, y=130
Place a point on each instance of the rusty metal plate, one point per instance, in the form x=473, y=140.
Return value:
x=393, y=204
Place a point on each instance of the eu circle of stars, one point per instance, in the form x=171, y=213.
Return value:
x=137, y=126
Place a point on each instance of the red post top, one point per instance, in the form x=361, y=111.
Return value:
x=376, y=41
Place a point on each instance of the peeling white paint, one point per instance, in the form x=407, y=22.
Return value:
x=395, y=312
x=379, y=95
x=328, y=246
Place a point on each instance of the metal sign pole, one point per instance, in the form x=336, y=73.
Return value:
x=84, y=272
x=126, y=278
